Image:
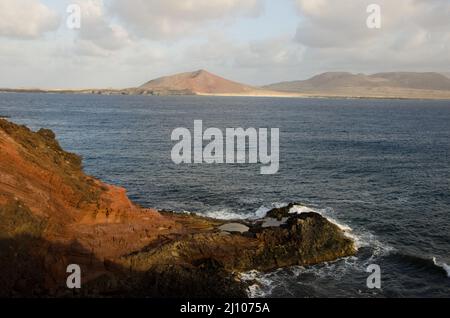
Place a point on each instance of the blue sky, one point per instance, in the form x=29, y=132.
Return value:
x=124, y=43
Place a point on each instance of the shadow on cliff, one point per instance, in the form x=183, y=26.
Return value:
x=32, y=267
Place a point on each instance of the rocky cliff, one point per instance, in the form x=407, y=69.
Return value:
x=53, y=215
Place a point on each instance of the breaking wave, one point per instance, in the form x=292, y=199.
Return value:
x=263, y=284
x=361, y=237
x=442, y=265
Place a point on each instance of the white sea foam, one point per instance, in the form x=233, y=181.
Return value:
x=226, y=214
x=299, y=209
x=262, y=285
x=361, y=238
x=229, y=214
x=442, y=265
x=335, y=270
x=260, y=213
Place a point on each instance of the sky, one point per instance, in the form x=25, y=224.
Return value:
x=124, y=43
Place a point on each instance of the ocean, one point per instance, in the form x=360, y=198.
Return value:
x=378, y=167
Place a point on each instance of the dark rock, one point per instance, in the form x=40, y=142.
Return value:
x=280, y=213
x=47, y=133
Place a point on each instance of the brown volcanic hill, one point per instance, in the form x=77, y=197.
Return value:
x=199, y=82
x=394, y=84
x=328, y=80
x=429, y=80
x=53, y=215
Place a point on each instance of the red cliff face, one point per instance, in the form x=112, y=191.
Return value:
x=45, y=197
x=36, y=174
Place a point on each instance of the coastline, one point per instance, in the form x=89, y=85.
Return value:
x=66, y=217
x=262, y=94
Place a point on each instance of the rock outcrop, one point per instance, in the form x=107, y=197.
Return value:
x=53, y=215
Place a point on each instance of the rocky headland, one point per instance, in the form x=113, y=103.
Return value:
x=53, y=215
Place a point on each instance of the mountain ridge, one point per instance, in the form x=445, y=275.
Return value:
x=387, y=83
x=394, y=85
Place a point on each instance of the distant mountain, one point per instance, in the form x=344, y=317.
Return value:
x=431, y=81
x=199, y=82
x=394, y=84
x=406, y=85
x=324, y=81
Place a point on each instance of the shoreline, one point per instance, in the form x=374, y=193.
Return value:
x=262, y=94
x=124, y=250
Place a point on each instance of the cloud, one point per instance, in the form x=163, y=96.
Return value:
x=149, y=38
x=26, y=19
x=278, y=52
x=415, y=34
x=267, y=53
x=327, y=23
x=246, y=61
x=97, y=33
x=171, y=19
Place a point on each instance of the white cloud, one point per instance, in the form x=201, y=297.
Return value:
x=251, y=62
x=97, y=33
x=170, y=19
x=277, y=52
x=414, y=34
x=149, y=38
x=26, y=19
x=328, y=23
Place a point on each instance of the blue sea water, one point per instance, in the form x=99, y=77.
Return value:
x=381, y=167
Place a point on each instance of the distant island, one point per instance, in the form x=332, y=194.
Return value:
x=397, y=85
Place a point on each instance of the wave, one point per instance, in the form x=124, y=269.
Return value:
x=288, y=280
x=362, y=238
x=371, y=249
x=299, y=209
x=229, y=214
x=422, y=264
x=225, y=214
x=260, y=284
x=442, y=265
